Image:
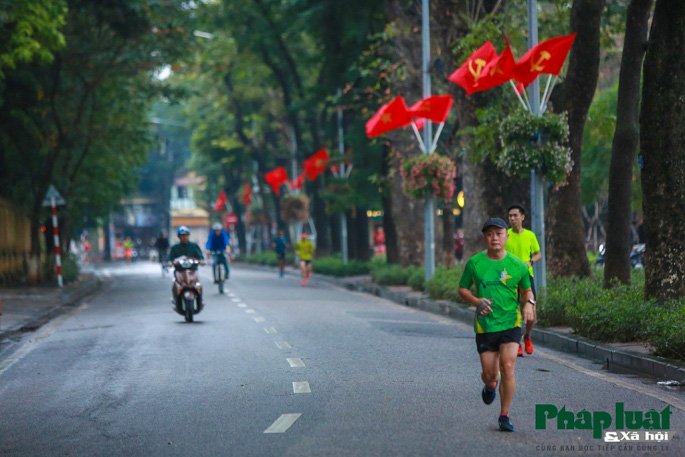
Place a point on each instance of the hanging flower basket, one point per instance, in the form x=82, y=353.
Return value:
x=536, y=143
x=295, y=207
x=429, y=175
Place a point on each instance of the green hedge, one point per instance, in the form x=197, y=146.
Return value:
x=444, y=285
x=333, y=266
x=265, y=258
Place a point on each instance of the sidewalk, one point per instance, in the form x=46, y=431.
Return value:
x=27, y=308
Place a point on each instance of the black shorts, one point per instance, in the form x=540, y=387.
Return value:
x=489, y=342
x=280, y=255
x=306, y=262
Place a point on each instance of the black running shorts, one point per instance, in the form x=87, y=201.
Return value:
x=489, y=342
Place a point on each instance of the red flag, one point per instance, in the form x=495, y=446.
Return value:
x=419, y=123
x=497, y=71
x=335, y=168
x=276, y=178
x=220, y=201
x=247, y=194
x=470, y=72
x=316, y=164
x=436, y=108
x=389, y=117
x=546, y=58
x=297, y=182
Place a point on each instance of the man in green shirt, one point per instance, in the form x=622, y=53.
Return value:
x=523, y=244
x=496, y=276
x=185, y=247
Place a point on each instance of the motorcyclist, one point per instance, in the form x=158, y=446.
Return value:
x=219, y=241
x=185, y=247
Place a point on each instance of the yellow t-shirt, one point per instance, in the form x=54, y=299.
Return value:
x=304, y=249
x=523, y=245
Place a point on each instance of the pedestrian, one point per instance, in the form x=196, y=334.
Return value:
x=128, y=249
x=524, y=244
x=459, y=245
x=495, y=276
x=280, y=244
x=304, y=249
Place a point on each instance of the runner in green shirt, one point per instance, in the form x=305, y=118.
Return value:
x=523, y=244
x=496, y=276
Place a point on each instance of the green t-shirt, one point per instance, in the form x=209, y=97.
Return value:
x=189, y=250
x=522, y=245
x=496, y=280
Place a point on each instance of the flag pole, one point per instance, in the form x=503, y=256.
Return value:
x=418, y=137
x=543, y=107
x=528, y=105
x=429, y=210
x=435, y=139
x=544, y=94
x=513, y=86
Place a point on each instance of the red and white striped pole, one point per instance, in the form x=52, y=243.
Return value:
x=55, y=231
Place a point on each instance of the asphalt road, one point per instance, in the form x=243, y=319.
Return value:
x=276, y=369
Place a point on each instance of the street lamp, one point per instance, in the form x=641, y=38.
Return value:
x=429, y=213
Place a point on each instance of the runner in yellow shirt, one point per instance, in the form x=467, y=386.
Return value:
x=305, y=251
x=523, y=244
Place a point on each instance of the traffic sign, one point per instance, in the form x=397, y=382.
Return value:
x=53, y=194
x=231, y=219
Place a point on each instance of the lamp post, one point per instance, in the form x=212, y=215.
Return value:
x=537, y=184
x=429, y=213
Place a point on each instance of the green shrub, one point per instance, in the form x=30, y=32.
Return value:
x=392, y=274
x=666, y=329
x=334, y=266
x=417, y=280
x=265, y=258
x=444, y=285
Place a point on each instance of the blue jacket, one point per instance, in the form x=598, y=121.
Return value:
x=217, y=243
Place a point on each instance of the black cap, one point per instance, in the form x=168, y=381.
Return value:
x=494, y=222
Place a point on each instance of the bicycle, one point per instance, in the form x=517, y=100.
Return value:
x=220, y=274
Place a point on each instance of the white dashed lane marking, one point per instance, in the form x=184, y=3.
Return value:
x=282, y=345
x=283, y=423
x=259, y=319
x=250, y=311
x=296, y=362
x=270, y=330
x=236, y=300
x=242, y=305
x=301, y=387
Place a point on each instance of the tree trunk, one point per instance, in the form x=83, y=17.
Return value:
x=565, y=237
x=447, y=252
x=662, y=146
x=392, y=252
x=617, y=257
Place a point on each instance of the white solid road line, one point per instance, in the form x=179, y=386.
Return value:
x=301, y=387
x=296, y=362
x=270, y=330
x=282, y=345
x=283, y=423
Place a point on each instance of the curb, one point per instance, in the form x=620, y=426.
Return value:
x=70, y=298
x=613, y=359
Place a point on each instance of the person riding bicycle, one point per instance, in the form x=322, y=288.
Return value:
x=162, y=246
x=185, y=247
x=218, y=244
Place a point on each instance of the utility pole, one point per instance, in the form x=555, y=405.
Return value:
x=429, y=214
x=343, y=216
x=537, y=185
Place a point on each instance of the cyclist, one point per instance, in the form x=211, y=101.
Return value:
x=219, y=244
x=162, y=246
